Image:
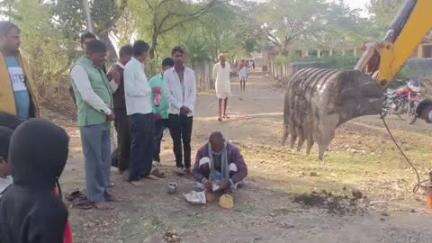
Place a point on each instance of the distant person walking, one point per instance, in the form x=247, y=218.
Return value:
x=94, y=102
x=221, y=72
x=116, y=77
x=243, y=75
x=16, y=93
x=140, y=110
x=182, y=97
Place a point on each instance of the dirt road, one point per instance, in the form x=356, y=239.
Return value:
x=361, y=158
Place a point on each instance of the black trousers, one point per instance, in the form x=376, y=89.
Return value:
x=142, y=127
x=122, y=126
x=180, y=127
x=160, y=126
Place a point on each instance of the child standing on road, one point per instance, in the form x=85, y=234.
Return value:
x=243, y=75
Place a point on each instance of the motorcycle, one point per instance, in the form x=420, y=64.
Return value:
x=403, y=101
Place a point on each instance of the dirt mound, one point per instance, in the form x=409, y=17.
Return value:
x=343, y=204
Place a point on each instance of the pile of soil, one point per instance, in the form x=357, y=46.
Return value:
x=343, y=204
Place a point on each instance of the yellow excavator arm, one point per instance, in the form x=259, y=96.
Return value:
x=385, y=60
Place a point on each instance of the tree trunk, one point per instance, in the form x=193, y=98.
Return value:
x=89, y=21
x=206, y=76
x=153, y=45
x=112, y=54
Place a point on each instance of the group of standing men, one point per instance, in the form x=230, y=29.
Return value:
x=140, y=108
x=31, y=204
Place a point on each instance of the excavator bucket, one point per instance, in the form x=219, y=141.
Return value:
x=317, y=101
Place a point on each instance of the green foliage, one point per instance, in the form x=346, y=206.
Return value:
x=206, y=28
x=70, y=17
x=339, y=62
x=7, y=8
x=383, y=12
x=42, y=42
x=336, y=61
x=154, y=19
x=198, y=50
x=104, y=13
x=283, y=59
x=311, y=23
x=406, y=73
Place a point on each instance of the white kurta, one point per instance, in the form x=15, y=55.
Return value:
x=223, y=82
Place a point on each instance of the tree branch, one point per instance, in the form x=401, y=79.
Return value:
x=189, y=17
x=149, y=5
x=272, y=38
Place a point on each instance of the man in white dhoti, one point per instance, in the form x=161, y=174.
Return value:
x=221, y=72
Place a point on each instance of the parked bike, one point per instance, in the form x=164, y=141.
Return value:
x=402, y=102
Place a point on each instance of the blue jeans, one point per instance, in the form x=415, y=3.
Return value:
x=96, y=145
x=141, y=157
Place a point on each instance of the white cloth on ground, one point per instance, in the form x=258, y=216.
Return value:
x=195, y=197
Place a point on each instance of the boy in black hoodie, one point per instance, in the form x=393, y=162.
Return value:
x=29, y=210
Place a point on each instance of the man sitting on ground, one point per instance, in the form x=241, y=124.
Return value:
x=219, y=165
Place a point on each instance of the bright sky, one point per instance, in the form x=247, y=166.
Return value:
x=354, y=4
x=357, y=3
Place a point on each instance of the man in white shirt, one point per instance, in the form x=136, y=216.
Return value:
x=139, y=108
x=182, y=97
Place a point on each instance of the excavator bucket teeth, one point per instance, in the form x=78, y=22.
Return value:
x=317, y=101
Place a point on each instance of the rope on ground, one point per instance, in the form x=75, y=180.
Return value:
x=419, y=181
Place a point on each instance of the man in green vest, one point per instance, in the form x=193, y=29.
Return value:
x=85, y=38
x=94, y=102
